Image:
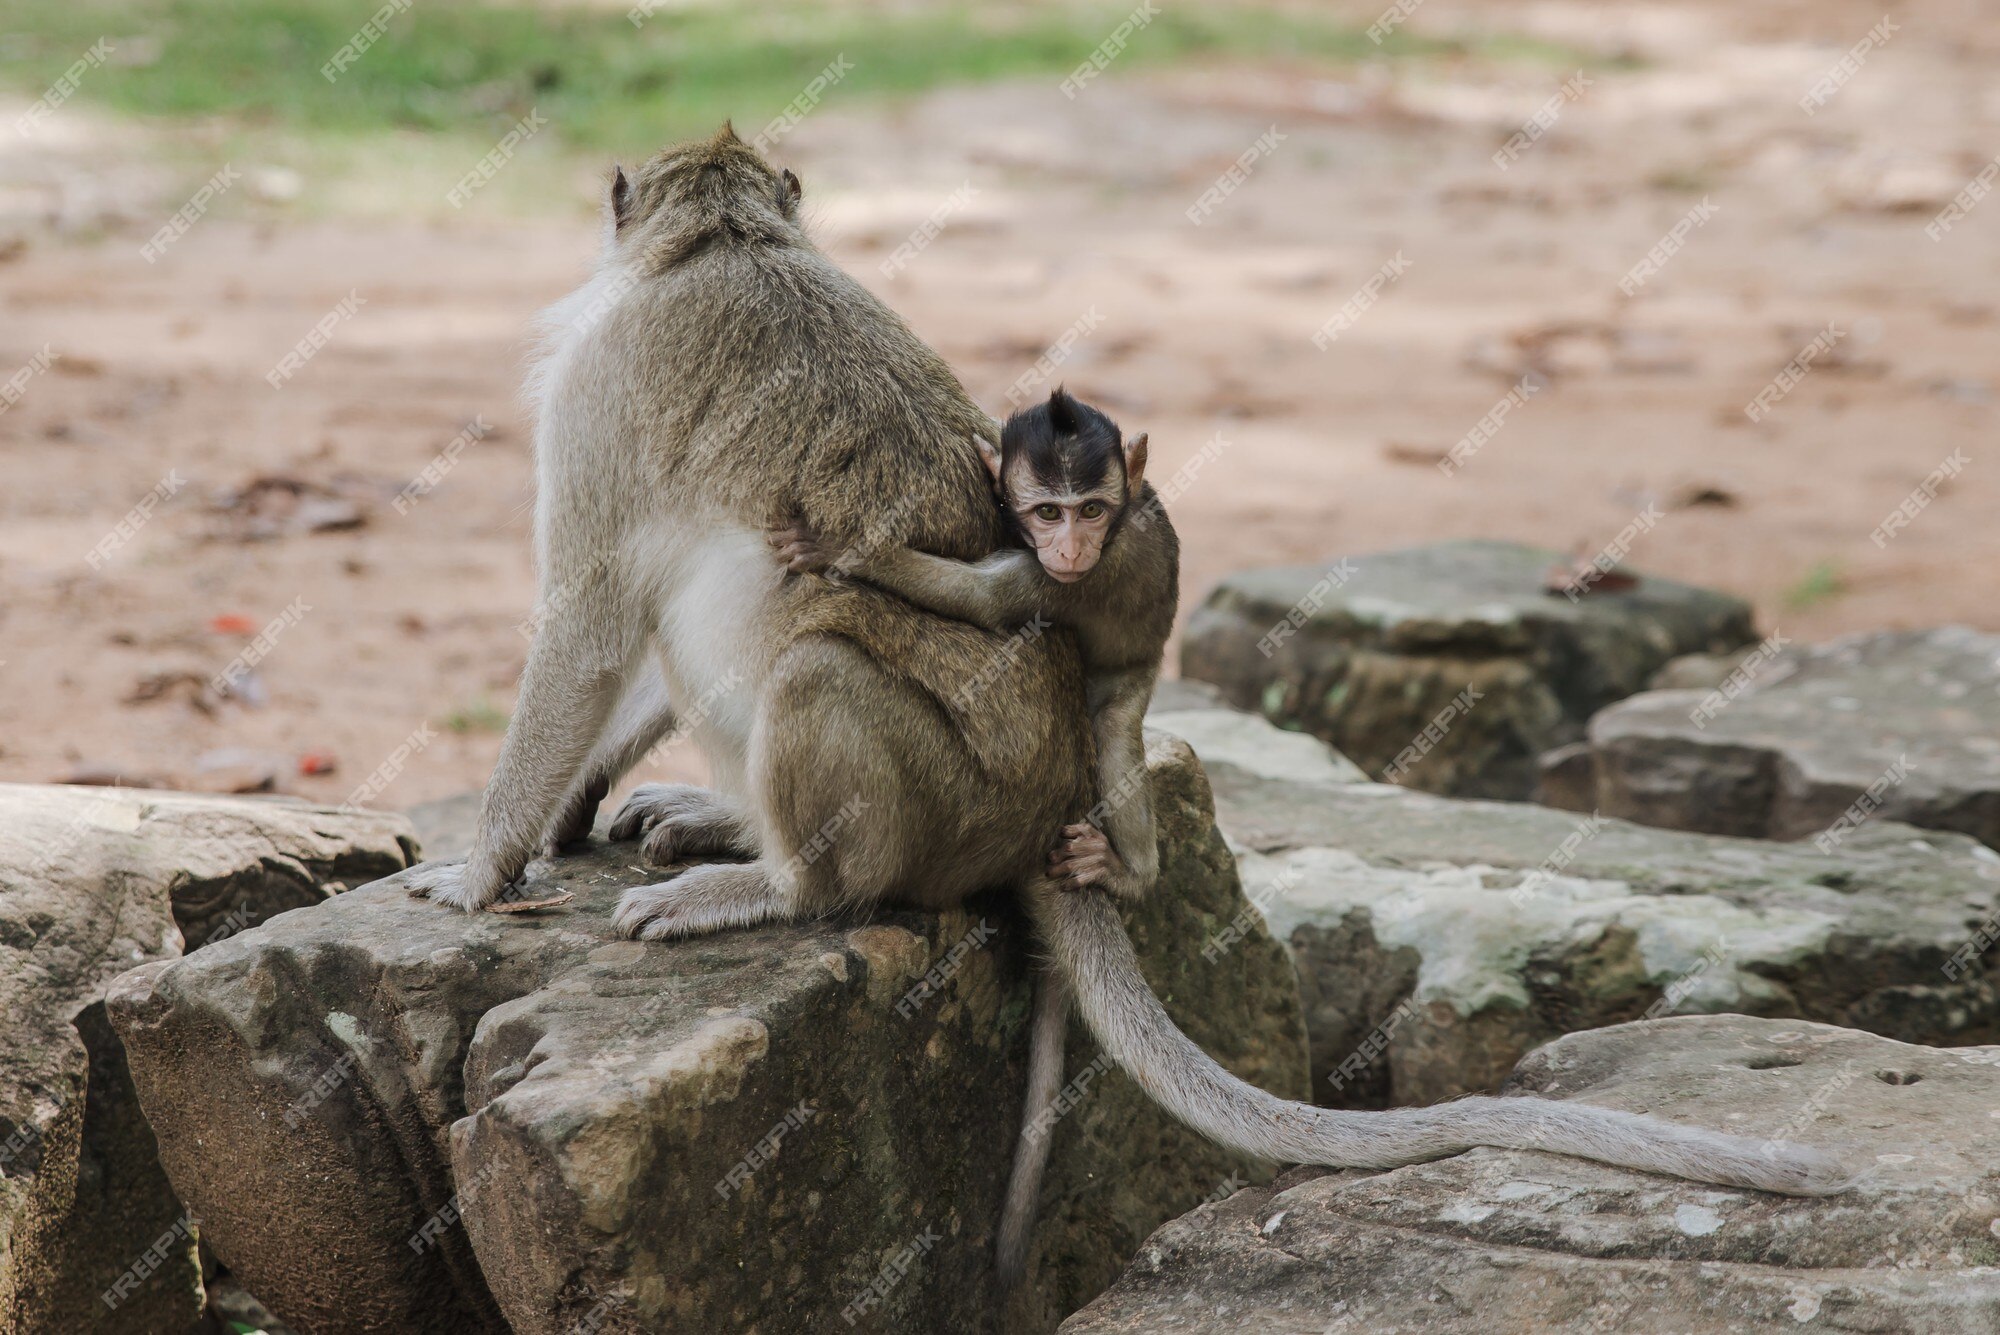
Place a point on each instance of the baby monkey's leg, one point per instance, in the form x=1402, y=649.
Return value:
x=1116, y=848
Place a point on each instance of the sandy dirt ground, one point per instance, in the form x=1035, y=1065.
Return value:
x=1073, y=214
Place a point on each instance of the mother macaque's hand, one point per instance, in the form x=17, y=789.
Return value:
x=799, y=546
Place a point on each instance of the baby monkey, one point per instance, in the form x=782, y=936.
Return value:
x=1097, y=556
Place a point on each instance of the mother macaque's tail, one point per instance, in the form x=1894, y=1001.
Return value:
x=1083, y=933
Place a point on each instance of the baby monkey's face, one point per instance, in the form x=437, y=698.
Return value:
x=1065, y=475
x=1068, y=528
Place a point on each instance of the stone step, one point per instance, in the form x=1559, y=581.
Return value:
x=1447, y=667
x=1808, y=742
x=1437, y=940
x=1496, y=1242
x=92, y=882
x=521, y=1122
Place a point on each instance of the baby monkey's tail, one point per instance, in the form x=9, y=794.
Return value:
x=1031, y=1152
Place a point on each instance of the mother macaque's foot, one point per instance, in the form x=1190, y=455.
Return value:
x=450, y=884
x=651, y=803
x=700, y=900
x=680, y=821
x=697, y=835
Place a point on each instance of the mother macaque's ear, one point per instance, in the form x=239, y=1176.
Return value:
x=621, y=198
x=789, y=191
x=989, y=454
x=1135, y=462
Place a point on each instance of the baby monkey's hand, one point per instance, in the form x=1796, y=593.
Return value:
x=799, y=546
x=1084, y=857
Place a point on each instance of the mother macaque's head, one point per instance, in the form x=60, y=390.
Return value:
x=688, y=193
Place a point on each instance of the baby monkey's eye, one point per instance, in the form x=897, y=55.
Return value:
x=1050, y=513
x=1092, y=509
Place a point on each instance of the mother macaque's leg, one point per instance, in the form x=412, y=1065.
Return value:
x=856, y=777
x=644, y=715
x=588, y=643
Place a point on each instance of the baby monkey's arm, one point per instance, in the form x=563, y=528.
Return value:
x=999, y=592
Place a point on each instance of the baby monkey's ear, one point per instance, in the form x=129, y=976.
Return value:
x=789, y=191
x=989, y=454
x=1135, y=462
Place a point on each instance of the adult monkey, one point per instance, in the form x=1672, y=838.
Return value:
x=715, y=371
x=719, y=370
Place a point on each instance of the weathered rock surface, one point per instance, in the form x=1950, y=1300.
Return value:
x=1568, y=779
x=1909, y=718
x=92, y=882
x=1503, y=1242
x=1370, y=652
x=1438, y=940
x=1220, y=735
x=521, y=1122
x=1702, y=672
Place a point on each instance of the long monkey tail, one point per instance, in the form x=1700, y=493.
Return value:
x=1090, y=948
x=1031, y=1153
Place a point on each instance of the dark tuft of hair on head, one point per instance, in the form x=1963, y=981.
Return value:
x=1063, y=441
x=1064, y=411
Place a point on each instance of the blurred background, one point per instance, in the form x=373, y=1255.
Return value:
x=268, y=273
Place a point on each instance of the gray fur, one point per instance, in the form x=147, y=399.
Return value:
x=1031, y=1151
x=1121, y=612
x=717, y=372
x=1093, y=952
x=644, y=715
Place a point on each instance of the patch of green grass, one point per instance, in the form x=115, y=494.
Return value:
x=479, y=716
x=475, y=69
x=1823, y=582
